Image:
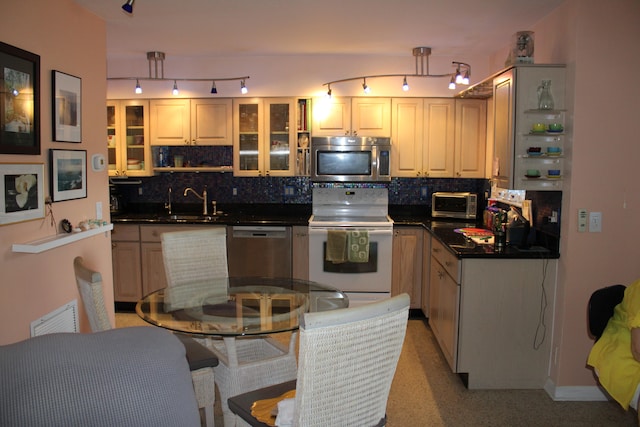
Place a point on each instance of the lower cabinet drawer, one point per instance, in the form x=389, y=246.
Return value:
x=449, y=261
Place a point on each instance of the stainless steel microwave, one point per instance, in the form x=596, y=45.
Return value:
x=350, y=159
x=454, y=205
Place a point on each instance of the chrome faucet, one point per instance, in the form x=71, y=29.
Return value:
x=205, y=210
x=168, y=204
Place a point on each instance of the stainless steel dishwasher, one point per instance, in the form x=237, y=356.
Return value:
x=261, y=251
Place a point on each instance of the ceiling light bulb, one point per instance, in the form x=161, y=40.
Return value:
x=15, y=92
x=243, y=88
x=175, y=90
x=458, y=76
x=465, y=79
x=452, y=83
x=213, y=88
x=128, y=6
x=138, y=88
x=365, y=87
x=405, y=85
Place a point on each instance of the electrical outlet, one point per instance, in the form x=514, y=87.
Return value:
x=288, y=191
x=595, y=222
x=235, y=191
x=424, y=191
x=582, y=220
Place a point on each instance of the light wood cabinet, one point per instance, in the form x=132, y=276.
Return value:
x=128, y=150
x=426, y=272
x=444, y=297
x=300, y=246
x=406, y=272
x=361, y=116
x=138, y=266
x=125, y=252
x=265, y=137
x=438, y=138
x=423, y=137
x=191, y=121
x=470, y=138
x=515, y=104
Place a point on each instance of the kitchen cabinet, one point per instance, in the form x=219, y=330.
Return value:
x=303, y=150
x=361, y=116
x=426, y=272
x=515, y=93
x=265, y=137
x=300, y=252
x=138, y=267
x=470, y=138
x=406, y=271
x=125, y=252
x=444, y=297
x=438, y=138
x=489, y=317
x=191, y=121
x=128, y=150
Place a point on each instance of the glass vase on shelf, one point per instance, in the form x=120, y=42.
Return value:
x=545, y=100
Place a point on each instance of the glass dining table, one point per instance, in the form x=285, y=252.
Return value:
x=238, y=306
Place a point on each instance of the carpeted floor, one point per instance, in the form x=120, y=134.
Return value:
x=426, y=393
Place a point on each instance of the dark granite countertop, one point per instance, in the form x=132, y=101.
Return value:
x=283, y=215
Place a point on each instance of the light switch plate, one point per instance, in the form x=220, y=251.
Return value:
x=595, y=222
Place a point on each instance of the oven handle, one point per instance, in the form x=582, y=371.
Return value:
x=372, y=232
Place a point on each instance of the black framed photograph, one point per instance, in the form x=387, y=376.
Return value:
x=21, y=192
x=67, y=107
x=19, y=101
x=68, y=178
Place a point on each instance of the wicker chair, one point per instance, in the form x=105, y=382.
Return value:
x=201, y=362
x=347, y=360
x=245, y=363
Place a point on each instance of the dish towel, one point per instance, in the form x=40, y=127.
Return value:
x=336, y=246
x=358, y=246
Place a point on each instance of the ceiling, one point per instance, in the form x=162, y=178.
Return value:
x=223, y=28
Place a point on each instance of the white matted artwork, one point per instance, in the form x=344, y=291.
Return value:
x=68, y=174
x=67, y=107
x=21, y=192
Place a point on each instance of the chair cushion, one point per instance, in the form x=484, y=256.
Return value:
x=120, y=377
x=241, y=404
x=198, y=355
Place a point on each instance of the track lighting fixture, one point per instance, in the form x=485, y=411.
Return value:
x=365, y=87
x=128, y=6
x=329, y=92
x=452, y=83
x=156, y=73
x=243, y=87
x=421, y=55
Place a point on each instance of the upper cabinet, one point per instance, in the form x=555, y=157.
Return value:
x=525, y=154
x=265, y=137
x=128, y=148
x=191, y=121
x=438, y=138
x=361, y=116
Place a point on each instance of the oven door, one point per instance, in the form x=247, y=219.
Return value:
x=370, y=280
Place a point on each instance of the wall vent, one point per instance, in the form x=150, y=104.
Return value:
x=63, y=319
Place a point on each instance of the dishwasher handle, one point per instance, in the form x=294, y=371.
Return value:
x=258, y=232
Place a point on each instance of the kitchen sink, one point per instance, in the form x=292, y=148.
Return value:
x=190, y=218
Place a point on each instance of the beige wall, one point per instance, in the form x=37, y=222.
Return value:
x=70, y=40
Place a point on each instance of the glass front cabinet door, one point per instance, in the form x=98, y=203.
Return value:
x=265, y=135
x=128, y=149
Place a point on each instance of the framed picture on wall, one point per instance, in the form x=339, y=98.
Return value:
x=67, y=107
x=21, y=192
x=68, y=174
x=19, y=101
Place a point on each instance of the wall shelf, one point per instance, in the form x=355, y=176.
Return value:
x=51, y=242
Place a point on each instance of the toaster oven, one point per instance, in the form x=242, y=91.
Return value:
x=454, y=205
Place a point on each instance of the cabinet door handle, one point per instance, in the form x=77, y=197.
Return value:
x=440, y=274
